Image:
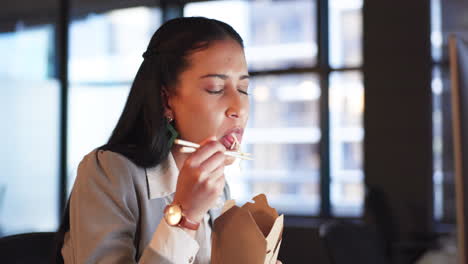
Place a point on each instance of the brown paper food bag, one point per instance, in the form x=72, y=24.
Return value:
x=250, y=234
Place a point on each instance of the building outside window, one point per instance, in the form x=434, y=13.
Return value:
x=284, y=131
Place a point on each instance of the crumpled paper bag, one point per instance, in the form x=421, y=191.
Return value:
x=250, y=234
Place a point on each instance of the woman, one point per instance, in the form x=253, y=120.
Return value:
x=193, y=82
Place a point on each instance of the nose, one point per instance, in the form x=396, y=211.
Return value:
x=238, y=106
x=232, y=114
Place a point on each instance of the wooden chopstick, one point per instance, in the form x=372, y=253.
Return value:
x=186, y=143
x=190, y=147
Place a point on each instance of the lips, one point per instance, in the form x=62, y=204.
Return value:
x=228, y=139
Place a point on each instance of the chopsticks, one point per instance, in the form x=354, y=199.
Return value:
x=189, y=147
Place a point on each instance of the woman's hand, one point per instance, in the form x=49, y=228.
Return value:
x=201, y=180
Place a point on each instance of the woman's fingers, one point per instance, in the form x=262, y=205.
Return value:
x=220, y=182
x=217, y=177
x=213, y=162
x=206, y=150
x=201, y=179
x=214, y=183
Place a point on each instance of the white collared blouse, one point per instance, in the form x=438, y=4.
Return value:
x=116, y=215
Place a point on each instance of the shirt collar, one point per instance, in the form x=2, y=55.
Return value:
x=162, y=179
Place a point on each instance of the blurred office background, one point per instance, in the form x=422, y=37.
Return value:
x=336, y=111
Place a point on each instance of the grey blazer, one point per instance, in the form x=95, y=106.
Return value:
x=116, y=211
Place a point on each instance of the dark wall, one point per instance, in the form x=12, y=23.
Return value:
x=398, y=117
x=398, y=133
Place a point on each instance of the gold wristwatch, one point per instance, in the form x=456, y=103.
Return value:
x=174, y=216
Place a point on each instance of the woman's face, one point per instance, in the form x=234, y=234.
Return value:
x=210, y=97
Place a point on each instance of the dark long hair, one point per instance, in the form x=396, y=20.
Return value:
x=141, y=133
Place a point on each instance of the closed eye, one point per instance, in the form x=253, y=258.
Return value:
x=243, y=92
x=220, y=91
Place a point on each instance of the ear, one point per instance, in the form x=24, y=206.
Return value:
x=166, y=100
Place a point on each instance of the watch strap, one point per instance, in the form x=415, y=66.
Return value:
x=189, y=224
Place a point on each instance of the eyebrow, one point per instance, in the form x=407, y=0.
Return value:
x=223, y=76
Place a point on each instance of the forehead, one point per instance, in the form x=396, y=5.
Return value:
x=221, y=56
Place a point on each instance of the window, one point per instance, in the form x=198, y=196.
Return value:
x=346, y=107
x=283, y=135
x=267, y=29
x=286, y=126
x=443, y=177
x=29, y=102
x=345, y=33
x=101, y=73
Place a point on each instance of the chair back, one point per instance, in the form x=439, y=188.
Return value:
x=37, y=248
x=348, y=242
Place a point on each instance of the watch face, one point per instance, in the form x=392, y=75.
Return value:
x=173, y=215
